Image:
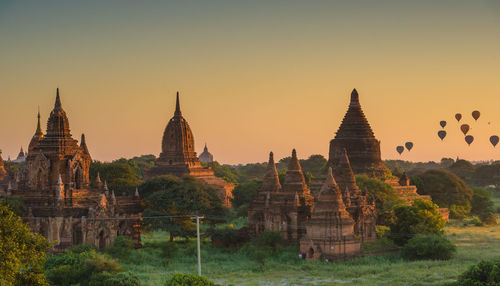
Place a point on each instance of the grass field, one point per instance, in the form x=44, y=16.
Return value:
x=231, y=267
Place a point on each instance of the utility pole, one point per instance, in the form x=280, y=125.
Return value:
x=198, y=241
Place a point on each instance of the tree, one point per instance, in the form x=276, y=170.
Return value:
x=22, y=253
x=463, y=169
x=383, y=194
x=485, y=175
x=485, y=273
x=119, y=175
x=243, y=195
x=422, y=217
x=482, y=206
x=447, y=190
x=180, y=198
x=225, y=172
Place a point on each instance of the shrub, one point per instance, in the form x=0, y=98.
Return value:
x=482, y=206
x=384, y=196
x=119, y=279
x=472, y=220
x=382, y=231
x=447, y=190
x=182, y=279
x=78, y=268
x=422, y=217
x=429, y=246
x=271, y=239
x=121, y=248
x=227, y=237
x=484, y=273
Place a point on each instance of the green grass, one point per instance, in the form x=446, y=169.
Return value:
x=231, y=267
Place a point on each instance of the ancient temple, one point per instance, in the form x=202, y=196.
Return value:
x=356, y=136
x=3, y=172
x=178, y=157
x=21, y=156
x=282, y=208
x=360, y=207
x=330, y=231
x=206, y=157
x=59, y=202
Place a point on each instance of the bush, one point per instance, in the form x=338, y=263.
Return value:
x=447, y=190
x=484, y=273
x=120, y=279
x=182, y=279
x=78, y=268
x=121, y=248
x=382, y=231
x=472, y=220
x=384, y=196
x=422, y=217
x=429, y=246
x=271, y=239
x=227, y=237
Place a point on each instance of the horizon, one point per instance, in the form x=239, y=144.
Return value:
x=253, y=77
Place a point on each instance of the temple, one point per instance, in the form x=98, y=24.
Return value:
x=59, y=201
x=285, y=208
x=330, y=231
x=178, y=157
x=356, y=136
x=206, y=157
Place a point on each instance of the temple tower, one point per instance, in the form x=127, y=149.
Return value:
x=178, y=156
x=356, y=136
x=206, y=157
x=330, y=231
x=57, y=153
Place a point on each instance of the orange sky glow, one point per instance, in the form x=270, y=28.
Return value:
x=254, y=76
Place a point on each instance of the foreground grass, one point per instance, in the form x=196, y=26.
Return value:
x=231, y=267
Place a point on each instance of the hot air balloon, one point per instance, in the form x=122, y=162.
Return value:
x=494, y=140
x=400, y=149
x=458, y=116
x=476, y=114
x=465, y=128
x=409, y=145
x=469, y=139
x=442, y=123
x=441, y=134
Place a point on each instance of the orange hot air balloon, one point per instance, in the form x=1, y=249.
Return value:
x=409, y=145
x=442, y=123
x=441, y=134
x=465, y=128
x=400, y=149
x=469, y=139
x=494, y=140
x=458, y=116
x=476, y=114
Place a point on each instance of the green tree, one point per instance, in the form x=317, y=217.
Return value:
x=383, y=194
x=422, y=217
x=485, y=273
x=447, y=190
x=225, y=172
x=463, y=169
x=182, y=198
x=485, y=175
x=22, y=253
x=119, y=175
x=245, y=193
x=483, y=206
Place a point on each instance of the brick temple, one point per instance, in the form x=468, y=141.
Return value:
x=178, y=157
x=59, y=201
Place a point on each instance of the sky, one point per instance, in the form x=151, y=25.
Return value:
x=254, y=76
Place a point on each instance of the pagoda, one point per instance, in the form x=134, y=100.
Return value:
x=285, y=208
x=206, y=157
x=330, y=231
x=356, y=136
x=178, y=156
x=58, y=200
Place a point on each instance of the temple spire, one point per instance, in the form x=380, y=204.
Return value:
x=177, y=106
x=271, y=182
x=354, y=98
x=38, y=131
x=294, y=162
x=83, y=145
x=57, y=105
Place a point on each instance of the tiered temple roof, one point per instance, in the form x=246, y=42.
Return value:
x=206, y=157
x=356, y=136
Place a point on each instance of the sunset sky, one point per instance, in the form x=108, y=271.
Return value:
x=254, y=76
